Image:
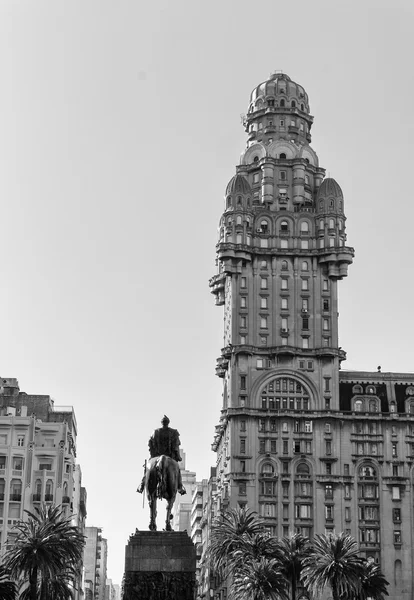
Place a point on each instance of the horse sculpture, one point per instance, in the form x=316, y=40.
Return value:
x=161, y=482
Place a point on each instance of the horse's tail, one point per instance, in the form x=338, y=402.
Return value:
x=161, y=477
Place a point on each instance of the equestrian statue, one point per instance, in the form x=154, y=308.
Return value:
x=162, y=477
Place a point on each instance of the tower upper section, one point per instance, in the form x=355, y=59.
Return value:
x=278, y=109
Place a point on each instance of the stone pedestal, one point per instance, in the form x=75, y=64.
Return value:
x=159, y=565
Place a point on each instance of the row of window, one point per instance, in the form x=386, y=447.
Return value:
x=284, y=243
x=260, y=125
x=284, y=281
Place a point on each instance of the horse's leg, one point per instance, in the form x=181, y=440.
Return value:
x=169, y=517
x=152, y=501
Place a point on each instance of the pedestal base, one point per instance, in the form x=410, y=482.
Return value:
x=159, y=566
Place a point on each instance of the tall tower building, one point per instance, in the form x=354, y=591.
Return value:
x=308, y=446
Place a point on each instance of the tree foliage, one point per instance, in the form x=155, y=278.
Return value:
x=45, y=554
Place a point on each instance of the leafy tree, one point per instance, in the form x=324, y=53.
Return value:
x=334, y=561
x=293, y=551
x=373, y=583
x=241, y=548
x=47, y=549
x=7, y=587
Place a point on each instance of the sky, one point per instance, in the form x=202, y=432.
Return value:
x=119, y=130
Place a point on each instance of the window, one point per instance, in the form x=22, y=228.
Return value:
x=397, y=537
x=284, y=324
x=285, y=449
x=45, y=466
x=305, y=323
x=284, y=226
x=305, y=343
x=304, y=244
x=308, y=426
x=285, y=427
x=346, y=469
x=305, y=284
x=242, y=382
x=242, y=446
x=284, y=265
x=256, y=178
x=328, y=491
x=262, y=446
x=260, y=363
x=242, y=339
x=305, y=265
x=20, y=440
x=328, y=447
x=262, y=424
x=273, y=446
x=347, y=513
x=358, y=405
x=396, y=515
x=325, y=324
x=328, y=468
x=304, y=227
x=305, y=304
x=395, y=471
x=285, y=489
x=263, y=322
x=282, y=102
x=243, y=425
x=243, y=302
x=325, y=285
x=327, y=383
x=329, y=512
x=303, y=511
x=347, y=491
x=267, y=488
x=394, y=449
x=284, y=283
x=282, y=175
x=242, y=488
x=327, y=428
x=396, y=493
x=284, y=304
x=325, y=304
x=243, y=282
x=18, y=463
x=263, y=283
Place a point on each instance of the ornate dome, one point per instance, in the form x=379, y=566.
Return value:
x=330, y=188
x=238, y=185
x=279, y=86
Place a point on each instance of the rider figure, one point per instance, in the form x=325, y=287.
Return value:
x=165, y=440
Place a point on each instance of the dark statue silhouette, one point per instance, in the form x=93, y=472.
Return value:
x=162, y=477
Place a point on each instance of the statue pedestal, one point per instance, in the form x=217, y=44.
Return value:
x=159, y=565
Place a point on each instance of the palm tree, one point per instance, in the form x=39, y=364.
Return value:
x=47, y=547
x=373, y=583
x=259, y=579
x=334, y=561
x=293, y=551
x=8, y=589
x=241, y=547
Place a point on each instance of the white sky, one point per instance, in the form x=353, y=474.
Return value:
x=119, y=130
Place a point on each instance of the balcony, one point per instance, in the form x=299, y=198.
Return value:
x=36, y=497
x=16, y=497
x=48, y=497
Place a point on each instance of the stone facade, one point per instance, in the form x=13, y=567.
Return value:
x=308, y=446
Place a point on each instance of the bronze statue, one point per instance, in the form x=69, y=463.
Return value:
x=162, y=479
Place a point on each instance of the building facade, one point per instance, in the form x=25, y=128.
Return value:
x=181, y=511
x=95, y=562
x=308, y=446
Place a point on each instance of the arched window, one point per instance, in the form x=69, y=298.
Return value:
x=321, y=205
x=49, y=490
x=303, y=469
x=373, y=407
x=304, y=227
x=238, y=220
x=293, y=104
x=282, y=155
x=305, y=265
x=15, y=490
x=284, y=226
x=239, y=201
x=229, y=202
x=367, y=471
x=268, y=470
x=331, y=224
x=284, y=265
x=302, y=107
x=248, y=202
x=321, y=224
x=371, y=389
x=38, y=488
x=255, y=159
x=357, y=389
x=264, y=226
x=358, y=405
x=282, y=103
x=285, y=393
